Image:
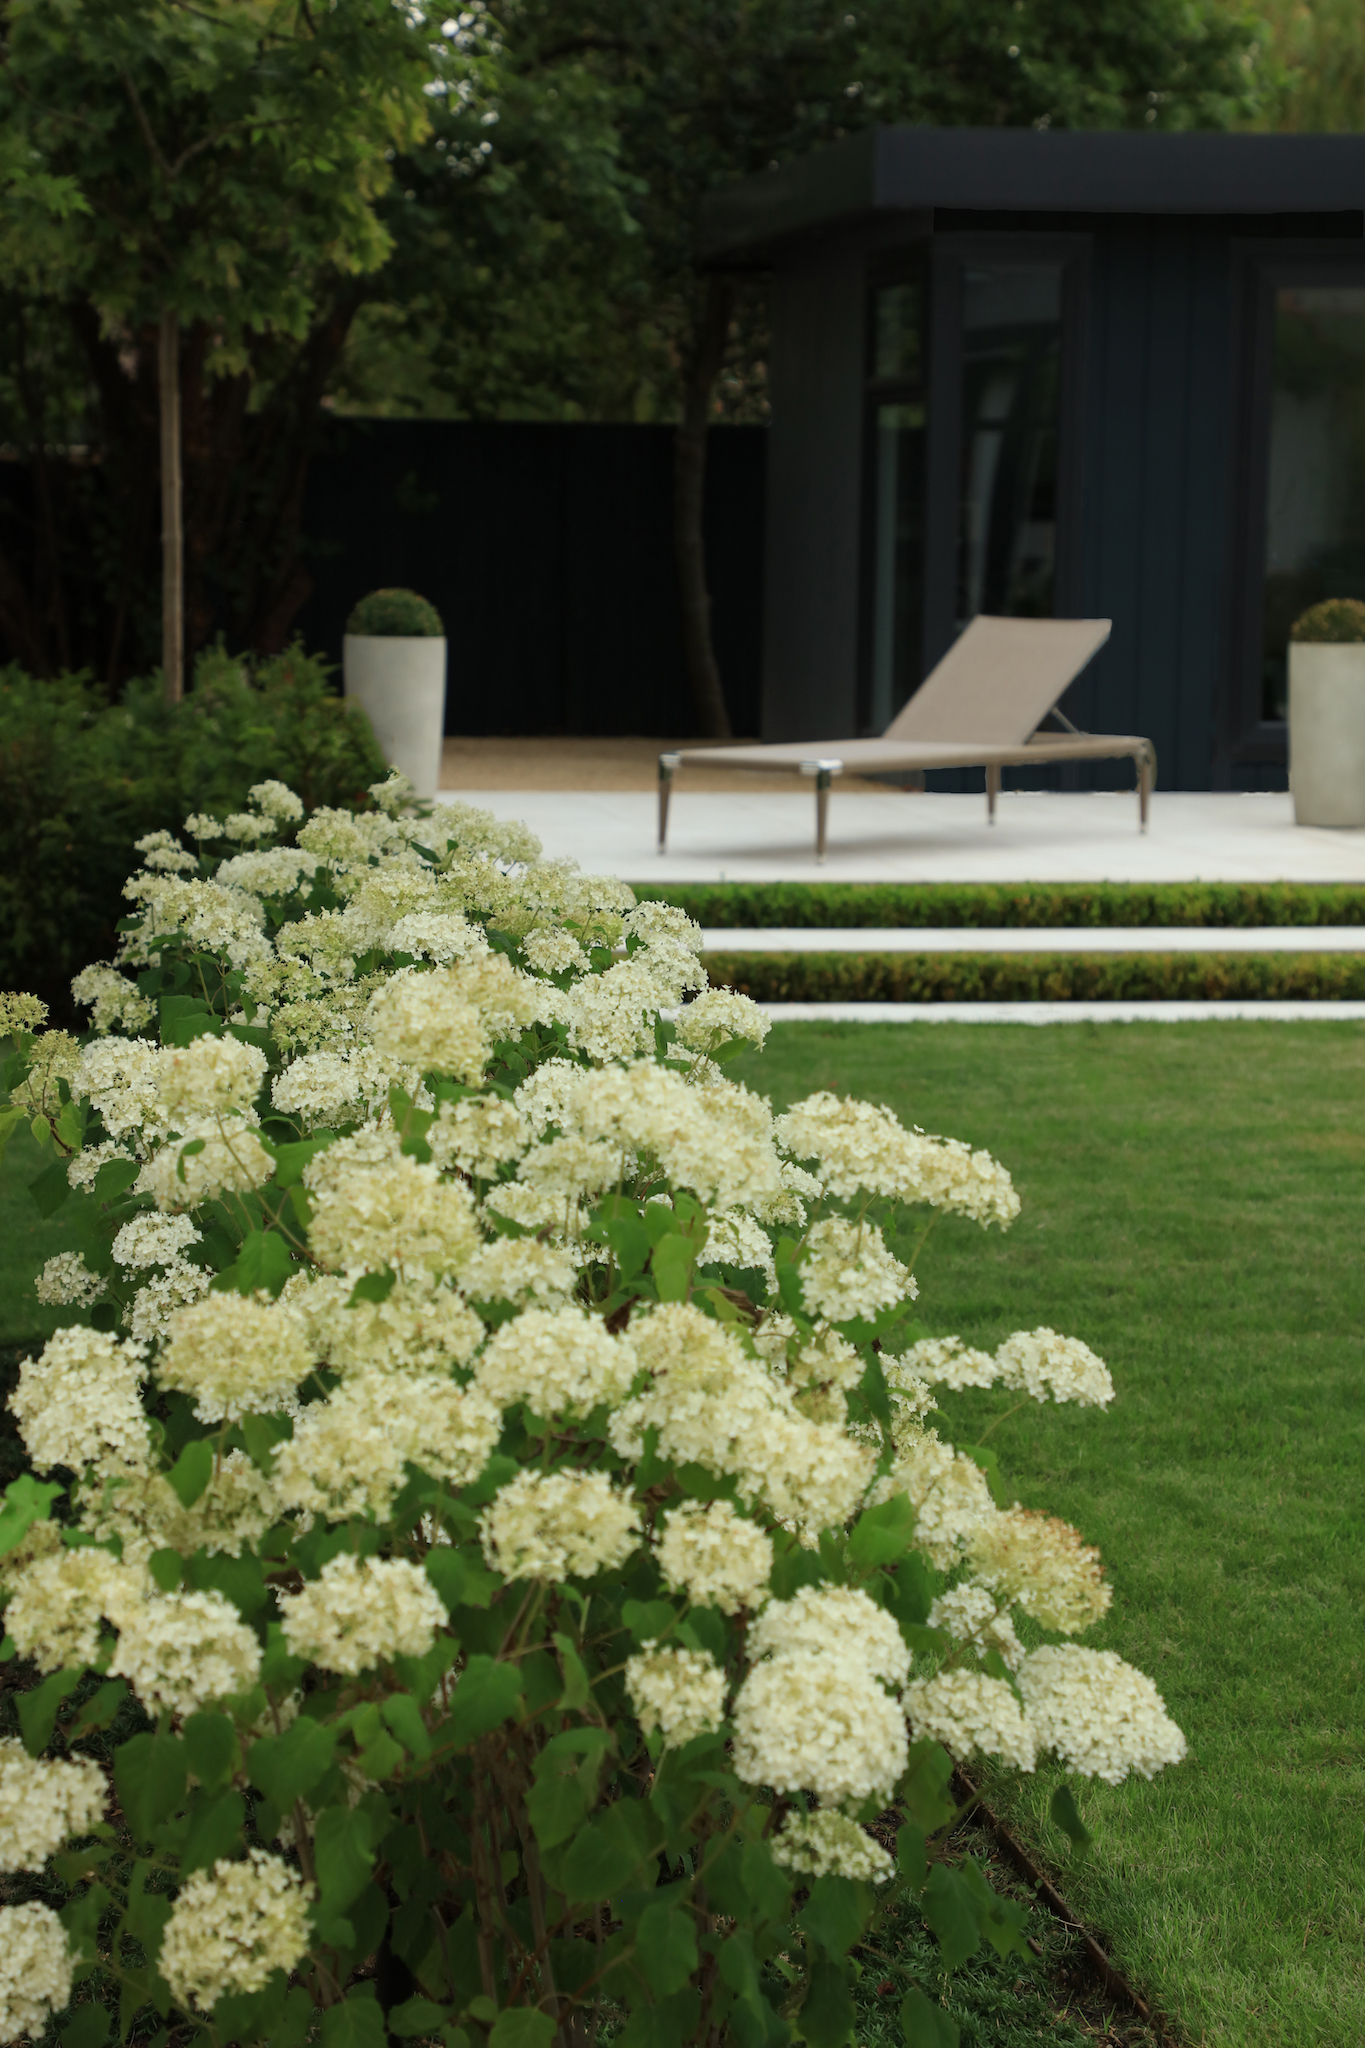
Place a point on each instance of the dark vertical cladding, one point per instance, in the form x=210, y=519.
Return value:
x=548, y=550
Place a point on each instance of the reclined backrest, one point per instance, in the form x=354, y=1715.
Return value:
x=998, y=681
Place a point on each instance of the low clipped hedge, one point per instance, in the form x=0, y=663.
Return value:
x=1037, y=977
x=896, y=905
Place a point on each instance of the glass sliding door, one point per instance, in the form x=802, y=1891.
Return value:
x=896, y=476
x=1315, y=485
x=1011, y=381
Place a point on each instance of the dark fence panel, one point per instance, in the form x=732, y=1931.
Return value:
x=547, y=550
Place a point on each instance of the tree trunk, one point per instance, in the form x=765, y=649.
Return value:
x=172, y=519
x=689, y=485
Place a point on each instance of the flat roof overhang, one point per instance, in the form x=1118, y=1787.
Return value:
x=1030, y=170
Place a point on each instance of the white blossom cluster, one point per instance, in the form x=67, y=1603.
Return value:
x=828, y=1844
x=680, y=1692
x=533, y=1219
x=42, y=1802
x=231, y=1926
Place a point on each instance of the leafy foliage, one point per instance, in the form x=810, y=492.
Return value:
x=395, y=613
x=80, y=780
x=887, y=905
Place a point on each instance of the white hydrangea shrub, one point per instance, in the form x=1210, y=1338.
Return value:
x=430, y=1483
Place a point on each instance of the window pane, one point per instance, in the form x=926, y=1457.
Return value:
x=898, y=559
x=1315, y=505
x=1011, y=389
x=896, y=351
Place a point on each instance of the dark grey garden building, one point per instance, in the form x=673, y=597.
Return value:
x=1067, y=373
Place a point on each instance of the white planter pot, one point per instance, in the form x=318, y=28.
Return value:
x=399, y=682
x=1327, y=733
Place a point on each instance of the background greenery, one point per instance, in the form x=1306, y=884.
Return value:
x=1192, y=1210
x=80, y=780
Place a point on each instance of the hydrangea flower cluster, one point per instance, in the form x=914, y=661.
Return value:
x=496, y=1453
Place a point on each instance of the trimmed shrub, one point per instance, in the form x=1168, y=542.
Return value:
x=80, y=780
x=1038, y=977
x=893, y=906
x=1337, y=621
x=395, y=614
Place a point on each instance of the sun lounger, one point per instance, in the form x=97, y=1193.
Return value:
x=982, y=707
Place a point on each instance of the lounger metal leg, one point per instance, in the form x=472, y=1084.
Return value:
x=992, y=791
x=1146, y=775
x=822, y=782
x=667, y=765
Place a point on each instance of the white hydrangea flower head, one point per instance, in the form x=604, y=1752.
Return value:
x=558, y=1525
x=226, y=922
x=217, y=1156
x=276, y=800
x=348, y=1454
x=418, y=1019
x=974, y=1619
x=680, y=1692
x=163, y=853
x=80, y=1403
x=849, y=1272
x=543, y=1098
x=479, y=1134
x=179, y=1650
x=121, y=1079
x=515, y=1268
x=1043, y=1365
x=67, y=1282
x=718, y=1015
x=362, y=1612
x=235, y=1356
x=560, y=1362
x=551, y=951
x=838, y=1622
x=333, y=1085
x=153, y=1240
x=1041, y=1565
x=857, y=1144
x=37, y=1966
x=236, y=1508
x=912, y=1397
x=43, y=1802
x=948, y=1362
x=421, y=1326
x=112, y=999
x=612, y=1016
x=232, y=1927
x=714, y=1555
x=949, y=1494
x=209, y=1077
x=84, y=1168
x=266, y=871
x=437, y=935
x=148, y=1315
x=714, y=1406
x=568, y=1168
x=1097, y=1714
x=60, y=1600
x=829, y=1844
x=821, y=1724
x=374, y=1208
x=971, y=1714
x=949, y=1175
x=735, y=1239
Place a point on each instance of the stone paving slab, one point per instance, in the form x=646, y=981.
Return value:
x=768, y=837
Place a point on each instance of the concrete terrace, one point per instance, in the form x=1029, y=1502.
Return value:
x=594, y=801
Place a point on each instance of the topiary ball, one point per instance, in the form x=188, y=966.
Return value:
x=1335, y=622
x=395, y=614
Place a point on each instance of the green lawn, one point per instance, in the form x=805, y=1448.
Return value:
x=1192, y=1208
